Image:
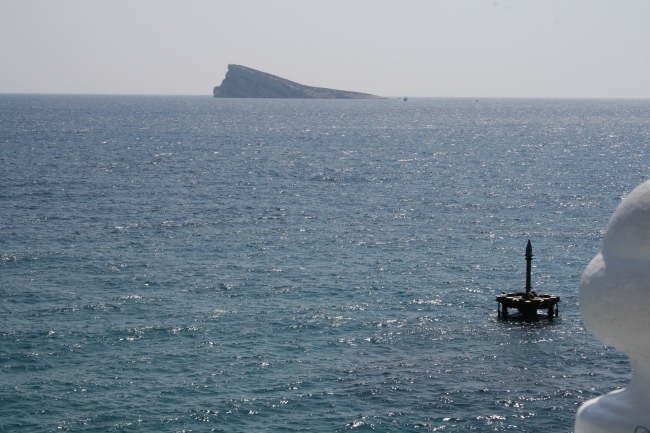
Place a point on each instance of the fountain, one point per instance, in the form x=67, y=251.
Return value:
x=527, y=302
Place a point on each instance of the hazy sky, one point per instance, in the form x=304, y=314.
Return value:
x=473, y=48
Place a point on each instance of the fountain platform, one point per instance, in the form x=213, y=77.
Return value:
x=528, y=303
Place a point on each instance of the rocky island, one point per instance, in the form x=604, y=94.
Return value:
x=243, y=82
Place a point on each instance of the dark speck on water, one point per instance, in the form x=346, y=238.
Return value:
x=199, y=264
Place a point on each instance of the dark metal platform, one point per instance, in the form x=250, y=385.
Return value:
x=527, y=304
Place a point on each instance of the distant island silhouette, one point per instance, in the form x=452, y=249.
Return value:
x=243, y=82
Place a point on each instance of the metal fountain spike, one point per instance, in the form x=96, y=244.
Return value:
x=529, y=259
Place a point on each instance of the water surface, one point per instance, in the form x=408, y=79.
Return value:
x=198, y=264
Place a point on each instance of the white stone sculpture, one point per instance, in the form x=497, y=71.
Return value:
x=615, y=306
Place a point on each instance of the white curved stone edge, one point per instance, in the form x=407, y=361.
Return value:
x=615, y=306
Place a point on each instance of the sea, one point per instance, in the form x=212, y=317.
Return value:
x=191, y=264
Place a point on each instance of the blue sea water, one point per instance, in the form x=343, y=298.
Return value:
x=197, y=264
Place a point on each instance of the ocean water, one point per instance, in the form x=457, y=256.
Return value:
x=175, y=264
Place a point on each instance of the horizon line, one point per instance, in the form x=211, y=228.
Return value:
x=382, y=96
